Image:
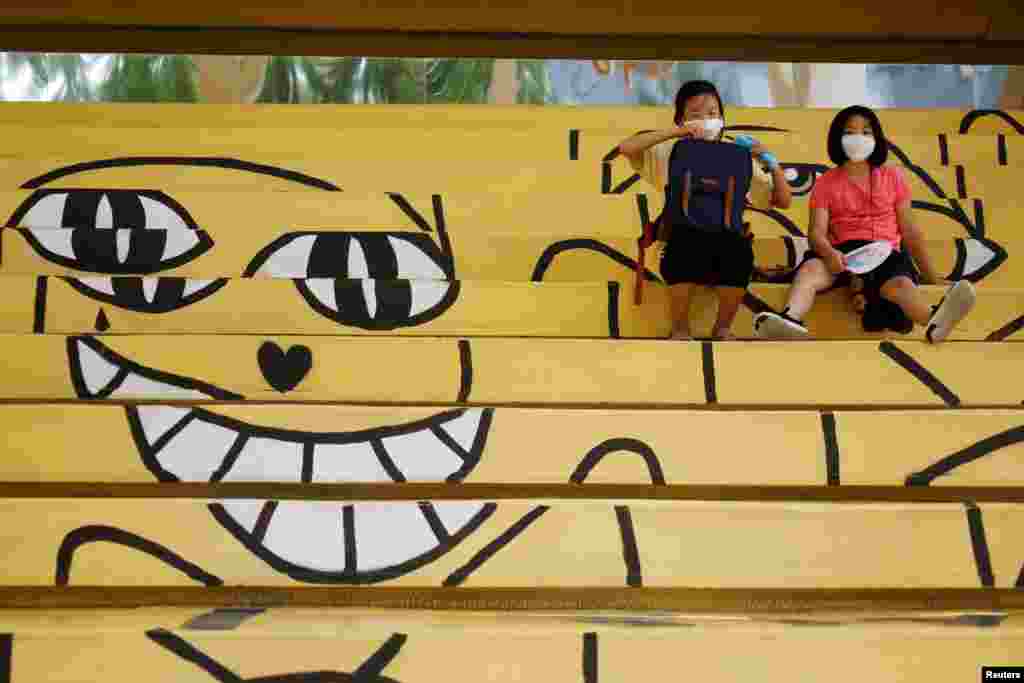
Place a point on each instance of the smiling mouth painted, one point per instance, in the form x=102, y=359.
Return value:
x=311, y=541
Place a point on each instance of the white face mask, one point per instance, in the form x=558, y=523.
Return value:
x=858, y=147
x=712, y=127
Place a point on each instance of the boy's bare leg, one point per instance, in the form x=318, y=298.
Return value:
x=729, y=301
x=679, y=297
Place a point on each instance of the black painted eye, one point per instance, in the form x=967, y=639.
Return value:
x=370, y=280
x=110, y=231
x=146, y=295
x=801, y=177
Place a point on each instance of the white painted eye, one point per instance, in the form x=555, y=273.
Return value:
x=159, y=215
x=48, y=212
x=193, y=286
x=426, y=294
x=178, y=242
x=103, y=285
x=55, y=240
x=413, y=262
x=291, y=260
x=358, y=268
x=978, y=256
x=791, y=174
x=105, y=215
x=322, y=289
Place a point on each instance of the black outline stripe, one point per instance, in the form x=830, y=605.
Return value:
x=449, y=441
x=175, y=429
x=1009, y=329
x=574, y=144
x=410, y=211
x=1001, y=149
x=590, y=657
x=434, y=520
x=943, y=149
x=980, y=449
x=642, y=209
x=466, y=371
x=979, y=545
x=189, y=653
x=828, y=428
x=39, y=322
x=606, y=177
x=102, y=322
x=707, y=352
x=961, y=182
x=259, y=531
x=218, y=162
x=94, y=533
x=791, y=260
x=386, y=462
x=630, y=553
x=613, y=310
x=307, y=462
x=442, y=236
x=370, y=670
x=460, y=575
x=626, y=184
x=904, y=360
x=961, y=259
x=348, y=530
x=971, y=116
x=226, y=464
x=556, y=248
x=222, y=618
x=596, y=454
x=6, y=655
x=979, y=219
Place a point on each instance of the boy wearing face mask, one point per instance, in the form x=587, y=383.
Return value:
x=860, y=201
x=724, y=260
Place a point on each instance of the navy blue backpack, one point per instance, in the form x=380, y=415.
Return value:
x=707, y=190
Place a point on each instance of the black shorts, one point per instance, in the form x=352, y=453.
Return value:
x=720, y=258
x=897, y=264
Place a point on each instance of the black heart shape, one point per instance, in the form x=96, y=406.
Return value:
x=284, y=371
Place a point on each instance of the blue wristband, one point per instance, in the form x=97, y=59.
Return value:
x=745, y=141
x=769, y=159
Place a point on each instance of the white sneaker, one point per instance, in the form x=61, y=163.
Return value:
x=774, y=326
x=954, y=307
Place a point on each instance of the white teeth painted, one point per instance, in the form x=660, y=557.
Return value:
x=48, y=212
x=99, y=284
x=124, y=241
x=978, y=256
x=426, y=294
x=193, y=286
x=55, y=240
x=465, y=427
x=149, y=286
x=97, y=373
x=291, y=260
x=135, y=386
x=357, y=266
x=197, y=451
x=801, y=245
x=323, y=289
x=157, y=420
x=268, y=460
x=370, y=296
x=413, y=263
x=105, y=214
x=420, y=456
x=310, y=534
x=390, y=533
x=159, y=215
x=178, y=242
x=347, y=462
x=245, y=512
x=456, y=514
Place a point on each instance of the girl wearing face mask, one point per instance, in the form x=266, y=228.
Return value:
x=726, y=260
x=862, y=200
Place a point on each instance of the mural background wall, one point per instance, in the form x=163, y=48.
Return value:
x=357, y=80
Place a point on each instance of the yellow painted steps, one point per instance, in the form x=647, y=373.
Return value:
x=419, y=307
x=510, y=446
x=267, y=171
x=431, y=647
x=496, y=117
x=468, y=145
x=493, y=371
x=579, y=256
x=533, y=543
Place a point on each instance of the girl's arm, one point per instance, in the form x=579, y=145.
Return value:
x=633, y=147
x=913, y=238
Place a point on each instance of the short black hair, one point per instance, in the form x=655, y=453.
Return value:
x=692, y=89
x=835, y=136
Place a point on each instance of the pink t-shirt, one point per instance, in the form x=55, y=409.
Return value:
x=854, y=212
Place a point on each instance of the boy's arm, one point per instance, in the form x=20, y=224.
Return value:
x=633, y=147
x=913, y=238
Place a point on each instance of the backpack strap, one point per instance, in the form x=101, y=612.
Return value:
x=729, y=192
